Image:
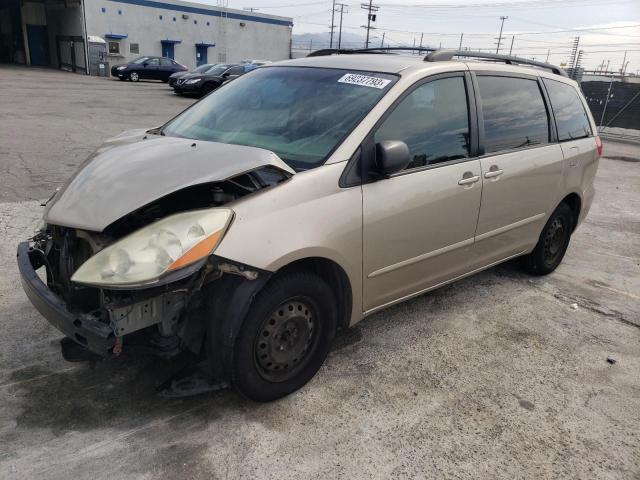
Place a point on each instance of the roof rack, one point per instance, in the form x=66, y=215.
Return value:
x=443, y=54
x=347, y=51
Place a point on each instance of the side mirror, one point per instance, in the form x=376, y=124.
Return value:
x=392, y=156
x=145, y=64
x=226, y=75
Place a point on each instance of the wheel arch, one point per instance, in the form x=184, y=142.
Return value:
x=335, y=277
x=575, y=203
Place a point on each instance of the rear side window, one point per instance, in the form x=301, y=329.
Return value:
x=433, y=121
x=514, y=113
x=165, y=62
x=571, y=118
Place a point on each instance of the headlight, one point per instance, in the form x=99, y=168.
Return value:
x=167, y=245
x=192, y=81
x=121, y=67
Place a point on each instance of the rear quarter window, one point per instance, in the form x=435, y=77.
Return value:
x=571, y=117
x=513, y=112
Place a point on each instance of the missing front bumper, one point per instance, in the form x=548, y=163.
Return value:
x=85, y=329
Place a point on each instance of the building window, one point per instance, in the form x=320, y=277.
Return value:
x=103, y=10
x=174, y=19
x=114, y=48
x=134, y=48
x=119, y=12
x=208, y=23
x=195, y=22
x=160, y=17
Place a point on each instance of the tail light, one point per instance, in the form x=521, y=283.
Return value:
x=599, y=145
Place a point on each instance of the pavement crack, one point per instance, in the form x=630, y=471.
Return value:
x=595, y=308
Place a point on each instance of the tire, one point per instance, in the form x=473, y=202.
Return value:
x=552, y=244
x=285, y=337
x=208, y=88
x=134, y=76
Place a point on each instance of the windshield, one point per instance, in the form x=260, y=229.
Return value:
x=217, y=69
x=301, y=114
x=140, y=60
x=202, y=68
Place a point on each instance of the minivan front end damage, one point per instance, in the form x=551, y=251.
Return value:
x=161, y=320
x=68, y=269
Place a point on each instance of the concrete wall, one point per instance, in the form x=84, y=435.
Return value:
x=248, y=36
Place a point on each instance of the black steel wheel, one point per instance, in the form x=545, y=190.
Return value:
x=281, y=348
x=552, y=244
x=285, y=336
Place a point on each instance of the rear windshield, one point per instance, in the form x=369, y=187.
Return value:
x=140, y=60
x=301, y=114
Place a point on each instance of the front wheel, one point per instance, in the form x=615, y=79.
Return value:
x=285, y=337
x=208, y=88
x=134, y=76
x=552, y=244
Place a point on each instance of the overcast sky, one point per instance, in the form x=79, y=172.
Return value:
x=607, y=28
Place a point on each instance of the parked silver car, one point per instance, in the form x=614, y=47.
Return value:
x=305, y=196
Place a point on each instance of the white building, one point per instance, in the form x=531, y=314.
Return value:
x=55, y=32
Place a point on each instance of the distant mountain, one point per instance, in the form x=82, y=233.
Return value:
x=315, y=41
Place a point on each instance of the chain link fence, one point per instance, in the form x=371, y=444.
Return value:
x=615, y=105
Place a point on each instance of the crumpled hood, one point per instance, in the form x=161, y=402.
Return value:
x=136, y=168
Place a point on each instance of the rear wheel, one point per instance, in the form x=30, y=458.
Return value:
x=552, y=244
x=134, y=77
x=285, y=338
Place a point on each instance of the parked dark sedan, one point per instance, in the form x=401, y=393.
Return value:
x=149, y=68
x=173, y=78
x=200, y=84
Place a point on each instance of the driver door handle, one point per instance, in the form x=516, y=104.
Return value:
x=469, y=180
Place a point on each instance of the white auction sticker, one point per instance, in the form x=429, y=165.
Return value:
x=364, y=80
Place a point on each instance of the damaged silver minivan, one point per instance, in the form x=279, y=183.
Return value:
x=301, y=198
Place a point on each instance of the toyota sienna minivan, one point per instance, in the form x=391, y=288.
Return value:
x=304, y=196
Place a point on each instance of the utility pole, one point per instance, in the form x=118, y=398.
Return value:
x=502, y=19
x=513, y=37
x=548, y=52
x=382, y=43
x=421, y=37
x=574, y=54
x=342, y=5
x=460, y=46
x=251, y=9
x=371, y=17
x=333, y=12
